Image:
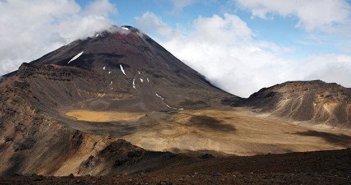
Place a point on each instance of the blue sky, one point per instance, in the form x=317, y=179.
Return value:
x=239, y=45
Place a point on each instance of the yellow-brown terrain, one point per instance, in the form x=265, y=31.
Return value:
x=234, y=131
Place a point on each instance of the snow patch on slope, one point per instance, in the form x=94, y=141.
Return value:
x=163, y=101
x=122, y=69
x=159, y=96
x=134, y=83
x=75, y=57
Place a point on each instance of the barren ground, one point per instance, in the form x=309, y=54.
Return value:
x=324, y=168
x=234, y=131
x=99, y=116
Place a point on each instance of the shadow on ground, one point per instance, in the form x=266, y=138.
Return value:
x=208, y=122
x=339, y=139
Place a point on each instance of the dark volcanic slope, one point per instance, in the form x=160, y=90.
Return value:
x=124, y=70
x=315, y=101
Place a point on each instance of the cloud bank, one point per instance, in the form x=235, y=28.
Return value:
x=180, y=4
x=34, y=28
x=149, y=22
x=225, y=50
x=311, y=14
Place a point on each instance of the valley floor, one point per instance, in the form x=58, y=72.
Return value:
x=323, y=168
x=233, y=131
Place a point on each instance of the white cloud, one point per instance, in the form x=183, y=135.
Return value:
x=218, y=29
x=101, y=8
x=312, y=14
x=149, y=22
x=225, y=50
x=329, y=67
x=31, y=29
x=180, y=4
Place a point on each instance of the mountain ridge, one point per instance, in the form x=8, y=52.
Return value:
x=316, y=101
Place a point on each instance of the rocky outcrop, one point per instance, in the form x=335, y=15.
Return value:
x=121, y=157
x=50, y=72
x=315, y=101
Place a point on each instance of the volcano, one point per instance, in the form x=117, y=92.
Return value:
x=124, y=70
x=119, y=103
